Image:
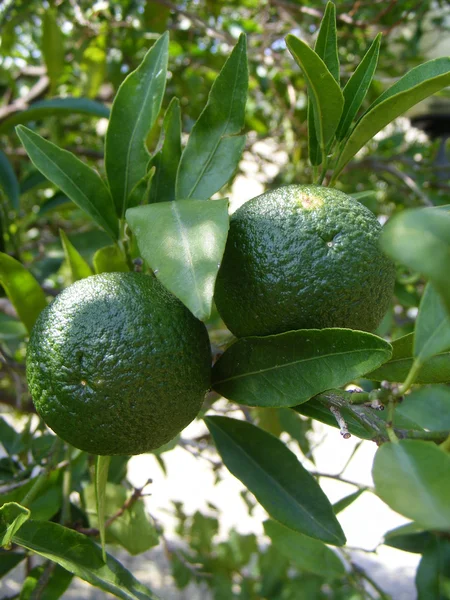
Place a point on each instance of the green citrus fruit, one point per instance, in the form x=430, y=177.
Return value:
x=117, y=365
x=303, y=257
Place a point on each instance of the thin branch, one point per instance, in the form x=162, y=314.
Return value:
x=38, y=89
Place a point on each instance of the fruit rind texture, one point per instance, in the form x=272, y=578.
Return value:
x=117, y=365
x=303, y=257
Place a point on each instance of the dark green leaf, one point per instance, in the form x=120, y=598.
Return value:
x=429, y=406
x=8, y=181
x=58, y=200
x=81, y=556
x=326, y=44
x=409, y=538
x=167, y=159
x=79, y=268
x=418, y=84
x=356, y=88
x=78, y=181
x=101, y=478
x=290, y=368
x=414, y=469
x=274, y=475
x=55, y=107
x=324, y=92
x=32, y=180
x=52, y=47
x=183, y=242
x=140, y=194
x=11, y=440
x=50, y=584
x=133, y=114
x=432, y=331
x=314, y=150
x=9, y=560
x=433, y=572
x=214, y=149
x=304, y=552
x=345, y=502
x=110, y=259
x=22, y=289
x=12, y=517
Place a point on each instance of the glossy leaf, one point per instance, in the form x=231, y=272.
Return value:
x=432, y=331
x=52, y=47
x=167, y=159
x=79, y=555
x=183, y=242
x=133, y=114
x=79, y=268
x=415, y=469
x=304, y=552
x=433, y=572
x=357, y=86
x=429, y=406
x=78, y=181
x=12, y=517
x=418, y=84
x=8, y=181
x=101, y=478
x=346, y=501
x=324, y=92
x=420, y=239
x=274, y=475
x=214, y=147
x=56, y=107
x=435, y=370
x=110, y=259
x=22, y=289
x=290, y=368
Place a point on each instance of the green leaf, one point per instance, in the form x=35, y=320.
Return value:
x=133, y=530
x=273, y=474
x=11, y=329
x=345, y=502
x=290, y=368
x=140, y=194
x=48, y=585
x=110, y=259
x=78, y=181
x=9, y=560
x=314, y=150
x=429, y=406
x=12, y=517
x=22, y=289
x=414, y=469
x=324, y=92
x=304, y=552
x=56, y=107
x=435, y=370
x=101, y=478
x=79, y=268
x=52, y=47
x=79, y=555
x=167, y=159
x=432, y=330
x=133, y=114
x=420, y=239
x=183, y=242
x=418, y=84
x=214, y=149
x=409, y=538
x=356, y=88
x=433, y=572
x=11, y=440
x=8, y=181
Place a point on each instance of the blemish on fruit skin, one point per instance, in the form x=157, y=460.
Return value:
x=309, y=202
x=83, y=382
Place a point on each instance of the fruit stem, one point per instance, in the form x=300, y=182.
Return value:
x=410, y=379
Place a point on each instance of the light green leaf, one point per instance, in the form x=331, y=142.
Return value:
x=79, y=268
x=94, y=66
x=290, y=368
x=214, y=149
x=101, y=478
x=167, y=159
x=356, y=88
x=304, y=552
x=324, y=92
x=273, y=474
x=429, y=406
x=79, y=555
x=11, y=329
x=133, y=114
x=183, y=242
x=420, y=239
x=12, y=517
x=22, y=289
x=8, y=181
x=432, y=331
x=110, y=259
x=78, y=181
x=418, y=84
x=56, y=107
x=414, y=469
x=52, y=47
